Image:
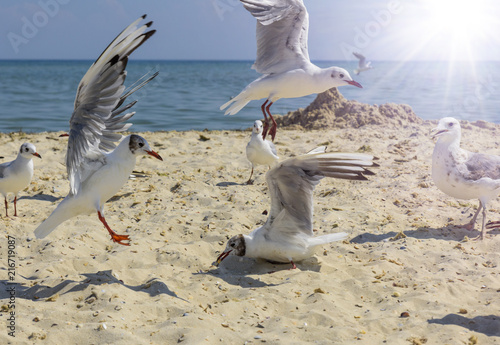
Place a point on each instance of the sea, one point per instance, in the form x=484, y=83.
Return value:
x=38, y=95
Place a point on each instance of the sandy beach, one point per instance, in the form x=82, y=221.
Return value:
x=407, y=274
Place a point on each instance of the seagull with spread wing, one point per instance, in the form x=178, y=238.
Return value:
x=287, y=236
x=97, y=166
x=363, y=65
x=283, y=59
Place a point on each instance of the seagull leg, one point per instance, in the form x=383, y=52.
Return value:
x=250, y=179
x=293, y=265
x=274, y=126
x=15, y=206
x=6, y=213
x=114, y=236
x=266, y=125
x=483, y=228
x=470, y=226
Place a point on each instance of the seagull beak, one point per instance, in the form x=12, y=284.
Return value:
x=37, y=154
x=355, y=83
x=222, y=257
x=64, y=135
x=154, y=154
x=437, y=132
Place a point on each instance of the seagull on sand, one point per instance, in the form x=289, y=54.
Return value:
x=287, y=236
x=260, y=151
x=17, y=174
x=97, y=166
x=463, y=174
x=283, y=59
x=363, y=65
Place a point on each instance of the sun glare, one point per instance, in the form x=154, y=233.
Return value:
x=461, y=26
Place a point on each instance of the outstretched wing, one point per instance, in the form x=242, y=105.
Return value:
x=96, y=120
x=291, y=185
x=282, y=27
x=361, y=58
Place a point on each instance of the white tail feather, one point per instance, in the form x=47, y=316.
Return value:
x=316, y=241
x=64, y=211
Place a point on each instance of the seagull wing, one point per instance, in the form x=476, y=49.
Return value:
x=362, y=59
x=3, y=169
x=96, y=120
x=282, y=28
x=291, y=185
x=481, y=165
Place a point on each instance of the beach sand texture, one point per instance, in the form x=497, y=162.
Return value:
x=405, y=275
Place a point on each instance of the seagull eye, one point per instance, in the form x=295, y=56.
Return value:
x=232, y=245
x=341, y=75
x=450, y=124
x=141, y=144
x=26, y=149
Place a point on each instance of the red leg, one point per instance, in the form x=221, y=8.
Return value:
x=15, y=206
x=266, y=125
x=274, y=126
x=293, y=265
x=114, y=236
x=250, y=179
x=6, y=214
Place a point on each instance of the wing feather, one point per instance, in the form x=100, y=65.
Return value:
x=282, y=29
x=292, y=182
x=96, y=122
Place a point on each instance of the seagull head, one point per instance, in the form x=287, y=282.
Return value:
x=235, y=246
x=339, y=77
x=448, y=129
x=139, y=146
x=28, y=150
x=257, y=127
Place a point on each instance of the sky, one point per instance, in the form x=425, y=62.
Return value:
x=223, y=30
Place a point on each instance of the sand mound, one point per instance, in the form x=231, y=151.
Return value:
x=331, y=110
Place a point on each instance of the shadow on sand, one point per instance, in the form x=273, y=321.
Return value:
x=488, y=325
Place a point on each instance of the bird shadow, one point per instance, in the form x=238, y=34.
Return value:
x=153, y=287
x=488, y=324
x=238, y=271
x=227, y=184
x=42, y=197
x=446, y=233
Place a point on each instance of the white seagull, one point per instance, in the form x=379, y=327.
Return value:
x=463, y=174
x=96, y=169
x=363, y=65
x=287, y=236
x=283, y=59
x=260, y=151
x=17, y=174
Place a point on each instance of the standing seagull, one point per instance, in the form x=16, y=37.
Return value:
x=260, y=151
x=17, y=174
x=96, y=169
x=283, y=59
x=287, y=236
x=463, y=174
x=363, y=65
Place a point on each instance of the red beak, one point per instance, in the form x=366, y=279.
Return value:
x=154, y=154
x=222, y=257
x=37, y=154
x=64, y=135
x=355, y=83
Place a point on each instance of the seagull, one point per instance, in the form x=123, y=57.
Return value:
x=283, y=59
x=287, y=236
x=16, y=175
x=260, y=151
x=463, y=174
x=363, y=65
x=97, y=166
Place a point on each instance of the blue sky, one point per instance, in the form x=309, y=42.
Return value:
x=224, y=30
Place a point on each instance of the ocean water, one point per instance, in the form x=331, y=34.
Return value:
x=38, y=96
